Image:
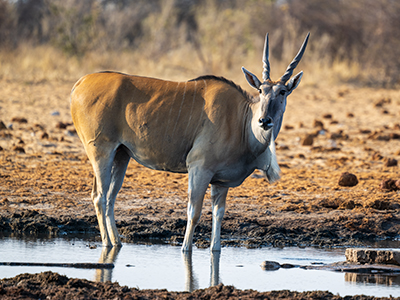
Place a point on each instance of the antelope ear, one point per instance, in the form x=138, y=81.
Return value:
x=252, y=79
x=294, y=82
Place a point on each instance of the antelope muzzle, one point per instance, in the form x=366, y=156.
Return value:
x=266, y=123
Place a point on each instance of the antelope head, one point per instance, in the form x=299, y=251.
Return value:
x=268, y=111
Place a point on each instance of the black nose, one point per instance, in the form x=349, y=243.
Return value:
x=266, y=123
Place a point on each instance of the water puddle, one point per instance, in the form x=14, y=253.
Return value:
x=159, y=266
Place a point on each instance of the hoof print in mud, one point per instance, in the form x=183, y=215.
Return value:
x=348, y=179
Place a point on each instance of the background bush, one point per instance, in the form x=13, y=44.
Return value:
x=355, y=41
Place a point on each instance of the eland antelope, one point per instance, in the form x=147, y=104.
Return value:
x=207, y=127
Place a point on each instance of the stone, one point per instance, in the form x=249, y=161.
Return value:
x=2, y=126
x=391, y=162
x=397, y=184
x=19, y=120
x=388, y=184
x=373, y=256
x=18, y=149
x=348, y=179
x=308, y=140
x=318, y=123
x=61, y=125
x=327, y=116
x=270, y=265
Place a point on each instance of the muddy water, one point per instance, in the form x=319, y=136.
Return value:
x=159, y=266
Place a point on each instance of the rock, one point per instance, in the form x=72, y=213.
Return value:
x=282, y=147
x=19, y=120
x=383, y=137
x=288, y=127
x=18, y=149
x=347, y=204
x=38, y=126
x=348, y=179
x=389, y=185
x=365, y=131
x=394, y=136
x=377, y=156
x=338, y=135
x=391, y=162
x=373, y=256
x=318, y=123
x=397, y=184
x=270, y=265
x=308, y=140
x=327, y=116
x=350, y=115
x=2, y=126
x=379, y=204
x=61, y=125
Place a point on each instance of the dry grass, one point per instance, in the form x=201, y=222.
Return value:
x=63, y=40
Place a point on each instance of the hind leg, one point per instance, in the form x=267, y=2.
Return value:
x=101, y=183
x=120, y=163
x=109, y=165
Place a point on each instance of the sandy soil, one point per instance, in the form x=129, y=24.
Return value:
x=46, y=179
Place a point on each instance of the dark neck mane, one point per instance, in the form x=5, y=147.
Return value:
x=249, y=98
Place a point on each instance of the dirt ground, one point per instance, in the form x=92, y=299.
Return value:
x=46, y=179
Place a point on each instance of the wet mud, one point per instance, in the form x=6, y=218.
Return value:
x=49, y=285
x=338, y=151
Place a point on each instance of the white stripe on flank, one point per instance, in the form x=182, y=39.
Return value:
x=170, y=112
x=190, y=117
x=202, y=109
x=180, y=110
x=158, y=110
x=191, y=109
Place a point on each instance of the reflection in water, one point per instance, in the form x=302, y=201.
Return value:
x=214, y=265
x=386, y=280
x=163, y=266
x=191, y=282
x=109, y=256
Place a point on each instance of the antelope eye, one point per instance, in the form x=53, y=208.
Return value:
x=282, y=92
x=260, y=91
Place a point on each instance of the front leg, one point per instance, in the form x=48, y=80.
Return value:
x=218, y=200
x=197, y=187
